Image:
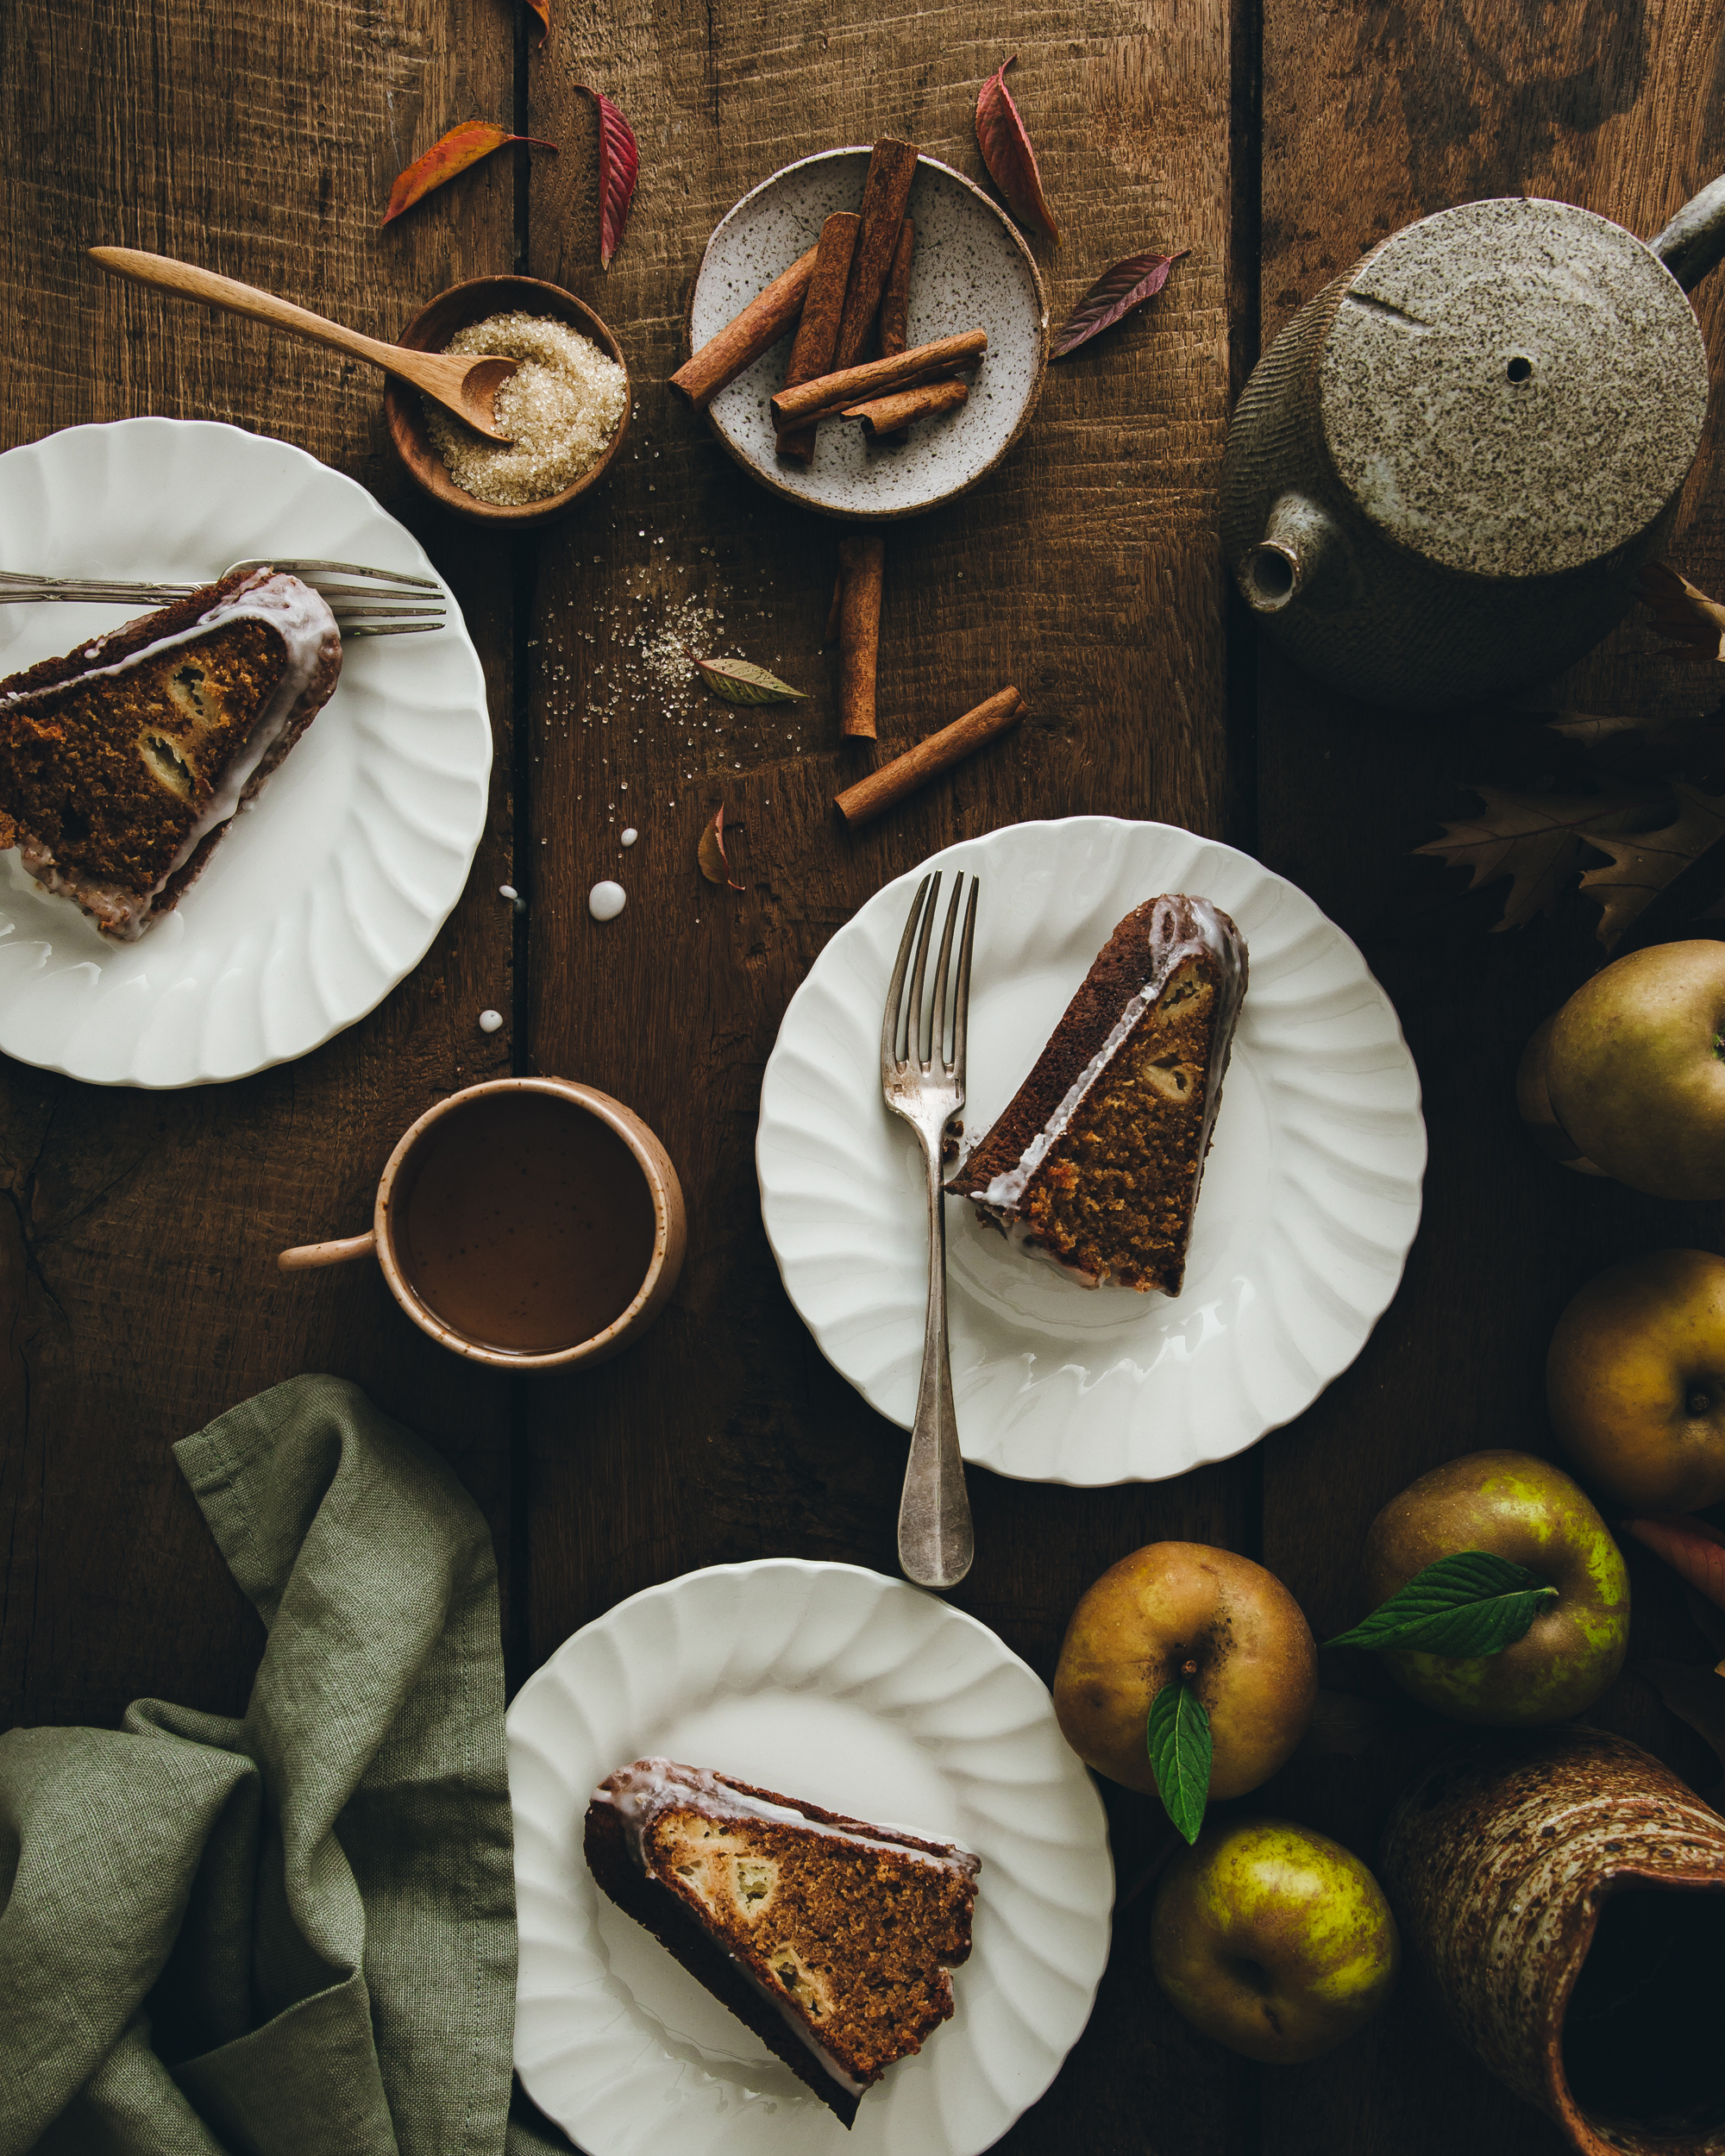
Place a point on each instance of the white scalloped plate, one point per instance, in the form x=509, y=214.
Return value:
x=1309, y=1200
x=863, y=1695
x=315, y=904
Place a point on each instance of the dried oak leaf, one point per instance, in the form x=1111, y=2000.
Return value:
x=1007, y=154
x=452, y=153
x=1534, y=839
x=619, y=164
x=709, y=855
x=1641, y=866
x=738, y=682
x=1131, y=281
x=1683, y=616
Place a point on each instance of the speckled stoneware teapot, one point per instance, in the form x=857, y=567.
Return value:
x=1447, y=468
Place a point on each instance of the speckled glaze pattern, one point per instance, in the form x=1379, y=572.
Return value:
x=1497, y=1863
x=971, y=270
x=1483, y=525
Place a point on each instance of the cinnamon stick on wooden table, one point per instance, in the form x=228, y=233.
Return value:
x=886, y=416
x=817, y=331
x=861, y=579
x=885, y=788
x=885, y=193
x=746, y=335
x=828, y=394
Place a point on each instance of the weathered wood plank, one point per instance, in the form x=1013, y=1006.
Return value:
x=1374, y=116
x=136, y=1241
x=1084, y=570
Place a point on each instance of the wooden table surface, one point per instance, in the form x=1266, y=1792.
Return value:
x=1274, y=139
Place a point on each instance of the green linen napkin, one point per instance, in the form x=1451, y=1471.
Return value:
x=291, y=1935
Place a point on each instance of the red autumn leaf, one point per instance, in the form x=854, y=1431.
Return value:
x=1686, y=618
x=710, y=855
x=1116, y=292
x=620, y=162
x=462, y=146
x=542, y=10
x=1695, y=1552
x=1007, y=154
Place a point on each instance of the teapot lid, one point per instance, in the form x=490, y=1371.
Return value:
x=1513, y=388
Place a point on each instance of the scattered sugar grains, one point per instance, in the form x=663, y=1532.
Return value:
x=562, y=406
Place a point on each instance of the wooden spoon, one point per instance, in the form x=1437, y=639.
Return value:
x=463, y=387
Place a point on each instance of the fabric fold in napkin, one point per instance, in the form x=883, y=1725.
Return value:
x=292, y=1934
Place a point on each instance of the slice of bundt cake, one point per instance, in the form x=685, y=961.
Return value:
x=122, y=764
x=831, y=1937
x=1098, y=1157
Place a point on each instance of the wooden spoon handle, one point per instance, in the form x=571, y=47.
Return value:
x=225, y=292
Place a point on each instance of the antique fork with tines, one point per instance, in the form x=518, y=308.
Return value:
x=388, y=603
x=935, y=1544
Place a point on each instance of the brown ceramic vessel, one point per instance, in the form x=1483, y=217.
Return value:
x=431, y=329
x=382, y=1239
x=1516, y=1859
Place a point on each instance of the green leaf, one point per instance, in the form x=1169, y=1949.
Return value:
x=738, y=682
x=1473, y=1604
x=1178, y=1737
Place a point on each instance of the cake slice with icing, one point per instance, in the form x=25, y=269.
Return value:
x=1097, y=1160
x=122, y=764
x=831, y=1937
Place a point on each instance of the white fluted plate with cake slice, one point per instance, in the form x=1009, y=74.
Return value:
x=1308, y=1205
x=838, y=1688
x=314, y=905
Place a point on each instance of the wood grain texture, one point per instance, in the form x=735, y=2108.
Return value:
x=138, y=1230
x=1375, y=115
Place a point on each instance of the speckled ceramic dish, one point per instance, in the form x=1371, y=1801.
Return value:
x=971, y=270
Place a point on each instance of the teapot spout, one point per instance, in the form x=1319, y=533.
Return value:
x=1300, y=545
x=1694, y=242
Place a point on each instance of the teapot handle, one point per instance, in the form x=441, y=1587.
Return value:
x=1694, y=242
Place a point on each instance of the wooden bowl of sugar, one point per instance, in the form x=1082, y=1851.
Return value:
x=570, y=412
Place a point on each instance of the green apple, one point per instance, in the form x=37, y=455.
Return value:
x=1177, y=1610
x=1526, y=1510
x=1634, y=1069
x=1635, y=1381
x=1275, y=1940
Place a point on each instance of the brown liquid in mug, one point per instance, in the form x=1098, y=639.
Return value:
x=526, y=1223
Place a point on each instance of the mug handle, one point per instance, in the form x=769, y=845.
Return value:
x=307, y=1255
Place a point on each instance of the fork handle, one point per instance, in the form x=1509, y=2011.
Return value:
x=936, y=1541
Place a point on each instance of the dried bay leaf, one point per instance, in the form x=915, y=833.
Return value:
x=1007, y=151
x=1116, y=293
x=710, y=855
x=1647, y=862
x=738, y=682
x=1683, y=616
x=620, y=166
x=451, y=153
x=1536, y=841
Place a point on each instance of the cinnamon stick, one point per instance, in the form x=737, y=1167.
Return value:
x=892, y=415
x=745, y=337
x=885, y=193
x=887, y=788
x=818, y=332
x=830, y=393
x=895, y=302
x=861, y=570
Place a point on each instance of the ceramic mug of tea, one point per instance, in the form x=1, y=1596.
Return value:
x=529, y=1222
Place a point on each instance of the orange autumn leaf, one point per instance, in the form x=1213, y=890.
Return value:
x=460, y=147
x=1685, y=617
x=1694, y=1551
x=542, y=10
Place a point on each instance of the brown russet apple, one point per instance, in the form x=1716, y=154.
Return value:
x=1522, y=1508
x=1636, y=1382
x=1275, y=1940
x=1634, y=1069
x=1181, y=1609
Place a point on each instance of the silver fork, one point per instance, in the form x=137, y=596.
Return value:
x=935, y=1544
x=390, y=603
